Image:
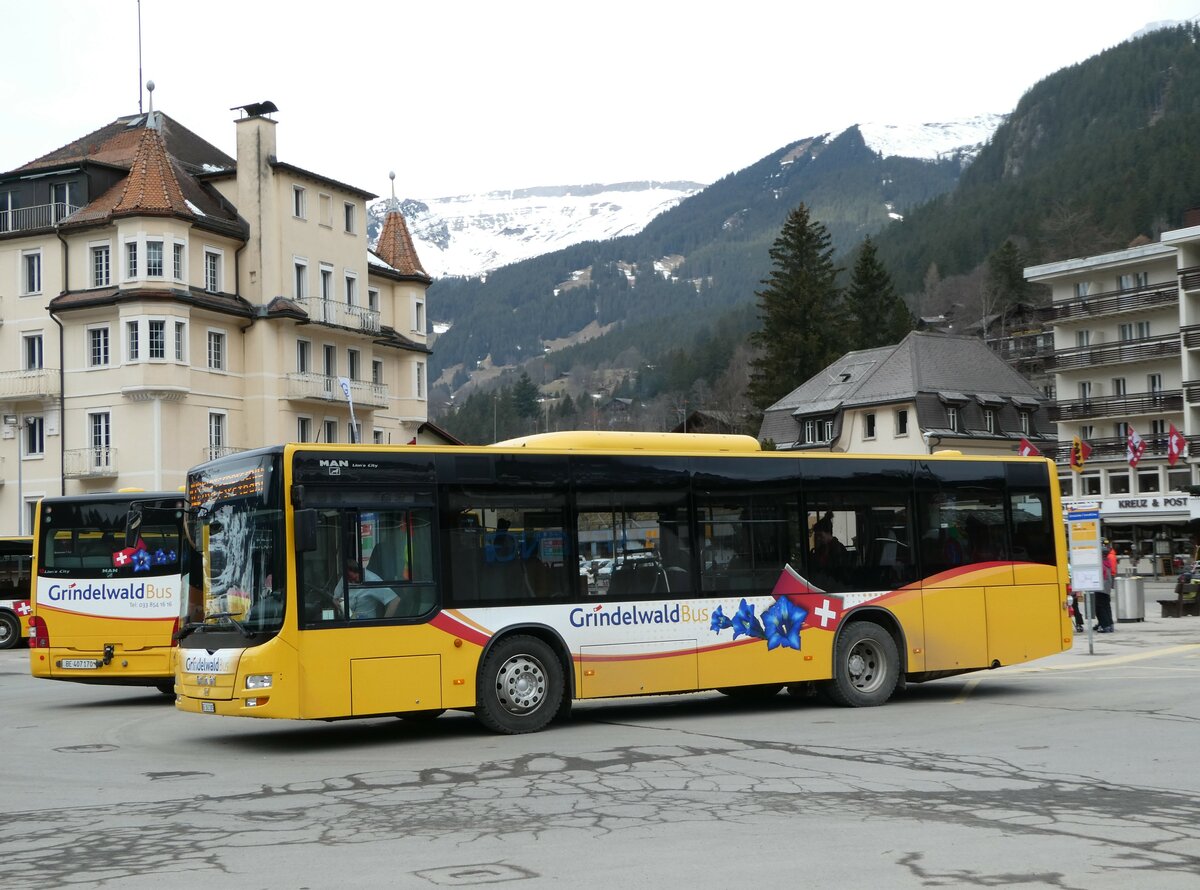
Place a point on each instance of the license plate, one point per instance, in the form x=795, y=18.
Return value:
x=208, y=707
x=79, y=664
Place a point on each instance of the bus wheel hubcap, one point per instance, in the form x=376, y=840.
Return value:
x=521, y=684
x=863, y=667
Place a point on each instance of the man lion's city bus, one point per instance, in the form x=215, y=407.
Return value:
x=360, y=581
x=16, y=557
x=108, y=589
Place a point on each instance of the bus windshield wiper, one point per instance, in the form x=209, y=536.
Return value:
x=228, y=616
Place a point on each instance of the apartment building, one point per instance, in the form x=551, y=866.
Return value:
x=163, y=303
x=929, y=392
x=1126, y=327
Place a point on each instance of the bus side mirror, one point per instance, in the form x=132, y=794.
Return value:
x=133, y=525
x=306, y=531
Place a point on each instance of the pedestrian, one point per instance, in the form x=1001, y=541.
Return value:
x=1103, y=605
x=1076, y=602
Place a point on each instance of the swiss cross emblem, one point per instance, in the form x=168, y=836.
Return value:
x=23, y=607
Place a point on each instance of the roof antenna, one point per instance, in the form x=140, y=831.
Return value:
x=139, y=11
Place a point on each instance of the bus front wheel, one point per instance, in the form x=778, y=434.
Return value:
x=520, y=686
x=866, y=666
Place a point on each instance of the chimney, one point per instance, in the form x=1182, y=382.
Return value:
x=257, y=203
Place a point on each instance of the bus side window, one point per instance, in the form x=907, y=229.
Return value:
x=505, y=546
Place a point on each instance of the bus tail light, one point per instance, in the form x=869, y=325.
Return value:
x=175, y=633
x=39, y=634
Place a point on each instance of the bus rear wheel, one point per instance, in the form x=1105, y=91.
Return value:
x=520, y=686
x=866, y=666
x=10, y=630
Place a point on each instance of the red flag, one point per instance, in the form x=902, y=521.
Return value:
x=1080, y=452
x=1175, y=445
x=1135, y=446
x=1028, y=449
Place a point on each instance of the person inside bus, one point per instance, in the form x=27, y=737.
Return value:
x=365, y=602
x=828, y=559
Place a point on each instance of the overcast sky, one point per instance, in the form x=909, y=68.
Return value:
x=468, y=96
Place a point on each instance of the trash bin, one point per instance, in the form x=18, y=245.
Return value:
x=1130, y=598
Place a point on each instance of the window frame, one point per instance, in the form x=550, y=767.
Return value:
x=299, y=202
x=218, y=338
x=96, y=251
x=31, y=272
x=94, y=339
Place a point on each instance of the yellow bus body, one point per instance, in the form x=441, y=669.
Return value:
x=982, y=615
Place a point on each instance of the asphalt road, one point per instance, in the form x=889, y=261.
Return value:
x=1077, y=771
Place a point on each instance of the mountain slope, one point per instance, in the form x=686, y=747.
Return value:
x=1093, y=156
x=690, y=263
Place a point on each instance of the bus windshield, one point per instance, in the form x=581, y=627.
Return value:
x=238, y=583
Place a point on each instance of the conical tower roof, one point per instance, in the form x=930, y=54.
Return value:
x=395, y=245
x=152, y=186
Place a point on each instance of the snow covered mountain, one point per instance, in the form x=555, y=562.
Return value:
x=932, y=141
x=469, y=235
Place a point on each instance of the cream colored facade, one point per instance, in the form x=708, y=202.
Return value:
x=205, y=339
x=1126, y=329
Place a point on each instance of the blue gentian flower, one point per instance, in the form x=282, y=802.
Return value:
x=141, y=561
x=719, y=621
x=160, y=557
x=745, y=622
x=782, y=622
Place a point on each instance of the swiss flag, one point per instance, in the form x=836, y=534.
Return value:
x=123, y=558
x=824, y=610
x=1028, y=449
x=1175, y=445
x=1135, y=447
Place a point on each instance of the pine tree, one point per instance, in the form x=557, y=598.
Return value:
x=799, y=307
x=1005, y=285
x=525, y=397
x=876, y=315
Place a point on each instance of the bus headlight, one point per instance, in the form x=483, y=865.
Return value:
x=258, y=681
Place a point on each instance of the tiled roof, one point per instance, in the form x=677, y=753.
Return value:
x=396, y=248
x=116, y=144
x=158, y=185
x=228, y=304
x=151, y=186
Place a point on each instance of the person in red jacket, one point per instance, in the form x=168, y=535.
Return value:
x=1104, y=617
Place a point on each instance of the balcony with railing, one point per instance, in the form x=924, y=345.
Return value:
x=1118, y=406
x=1189, y=278
x=326, y=388
x=1111, y=448
x=342, y=315
x=90, y=463
x=1146, y=349
x=34, y=383
x=1110, y=303
x=1022, y=348
x=40, y=216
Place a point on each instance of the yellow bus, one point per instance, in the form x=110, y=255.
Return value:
x=16, y=557
x=108, y=595
x=358, y=581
